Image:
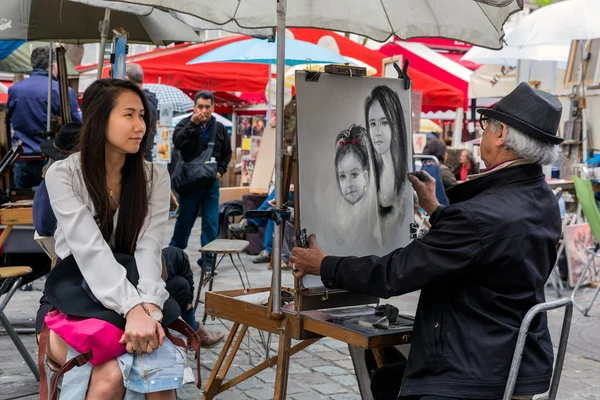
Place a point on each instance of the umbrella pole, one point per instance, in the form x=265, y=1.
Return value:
x=49, y=108
x=276, y=282
x=104, y=28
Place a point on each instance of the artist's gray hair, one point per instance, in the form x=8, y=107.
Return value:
x=134, y=73
x=527, y=147
x=39, y=58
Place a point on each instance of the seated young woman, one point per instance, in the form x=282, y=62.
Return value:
x=106, y=197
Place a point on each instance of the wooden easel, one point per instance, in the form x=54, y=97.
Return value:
x=291, y=324
x=300, y=322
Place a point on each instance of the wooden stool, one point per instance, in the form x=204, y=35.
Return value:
x=223, y=247
x=14, y=276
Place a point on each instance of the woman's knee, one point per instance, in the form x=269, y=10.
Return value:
x=56, y=349
x=106, y=381
x=164, y=395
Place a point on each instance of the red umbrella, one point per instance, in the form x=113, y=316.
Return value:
x=437, y=95
x=169, y=66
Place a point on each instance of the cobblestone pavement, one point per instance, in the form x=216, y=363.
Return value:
x=322, y=371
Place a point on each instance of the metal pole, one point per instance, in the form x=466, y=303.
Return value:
x=49, y=108
x=276, y=285
x=104, y=28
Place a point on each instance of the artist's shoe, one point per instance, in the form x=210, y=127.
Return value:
x=262, y=257
x=244, y=226
x=208, y=338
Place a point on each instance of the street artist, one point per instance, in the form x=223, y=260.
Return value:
x=480, y=268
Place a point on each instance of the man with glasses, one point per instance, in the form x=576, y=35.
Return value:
x=480, y=268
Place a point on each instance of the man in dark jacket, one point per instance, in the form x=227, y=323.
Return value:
x=191, y=138
x=135, y=74
x=27, y=108
x=480, y=268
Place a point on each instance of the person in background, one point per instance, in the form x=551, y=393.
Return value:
x=135, y=74
x=467, y=166
x=438, y=148
x=27, y=110
x=433, y=169
x=191, y=138
x=180, y=285
x=252, y=225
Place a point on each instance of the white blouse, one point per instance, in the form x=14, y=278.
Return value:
x=78, y=234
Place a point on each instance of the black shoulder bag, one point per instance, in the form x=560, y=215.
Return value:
x=198, y=173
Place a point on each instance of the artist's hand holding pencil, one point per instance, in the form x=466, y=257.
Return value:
x=307, y=261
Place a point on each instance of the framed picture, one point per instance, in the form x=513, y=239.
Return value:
x=575, y=65
x=578, y=238
x=419, y=142
x=255, y=142
x=354, y=151
x=164, y=151
x=165, y=133
x=387, y=68
x=258, y=125
x=244, y=125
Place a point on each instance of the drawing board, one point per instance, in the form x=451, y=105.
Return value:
x=354, y=151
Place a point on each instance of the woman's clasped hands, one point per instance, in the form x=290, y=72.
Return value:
x=142, y=334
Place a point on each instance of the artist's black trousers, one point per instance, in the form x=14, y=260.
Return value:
x=385, y=384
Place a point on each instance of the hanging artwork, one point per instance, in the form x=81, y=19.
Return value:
x=354, y=151
x=244, y=125
x=258, y=125
x=578, y=238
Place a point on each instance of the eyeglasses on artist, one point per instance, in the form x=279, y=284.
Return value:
x=484, y=121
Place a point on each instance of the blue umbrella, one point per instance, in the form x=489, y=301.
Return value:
x=8, y=46
x=261, y=51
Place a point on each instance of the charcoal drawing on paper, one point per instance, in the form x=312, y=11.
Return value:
x=354, y=151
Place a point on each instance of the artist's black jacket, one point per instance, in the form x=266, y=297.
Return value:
x=481, y=267
x=187, y=138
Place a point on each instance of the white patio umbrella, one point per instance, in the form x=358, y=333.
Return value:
x=473, y=21
x=77, y=22
x=558, y=24
x=510, y=55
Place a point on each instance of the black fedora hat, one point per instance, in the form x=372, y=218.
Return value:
x=63, y=144
x=69, y=293
x=532, y=111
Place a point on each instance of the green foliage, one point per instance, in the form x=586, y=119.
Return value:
x=542, y=3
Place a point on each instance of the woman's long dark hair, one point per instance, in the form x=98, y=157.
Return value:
x=99, y=100
x=390, y=103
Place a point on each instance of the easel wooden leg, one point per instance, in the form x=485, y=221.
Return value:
x=216, y=378
x=283, y=361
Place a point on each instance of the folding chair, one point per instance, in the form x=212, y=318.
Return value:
x=12, y=277
x=585, y=197
x=560, y=355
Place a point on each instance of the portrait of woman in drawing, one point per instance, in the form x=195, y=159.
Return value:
x=386, y=127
